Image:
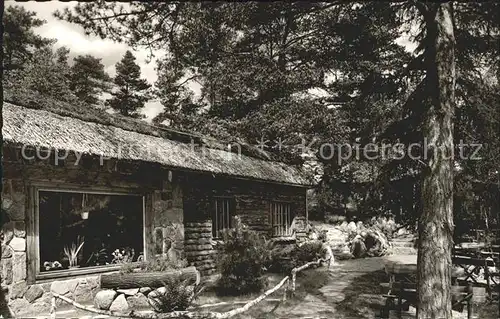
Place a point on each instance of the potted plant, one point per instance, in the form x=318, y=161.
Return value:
x=92, y=203
x=72, y=252
x=84, y=215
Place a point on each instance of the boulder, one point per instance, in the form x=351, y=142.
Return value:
x=19, y=229
x=6, y=251
x=145, y=290
x=18, y=267
x=376, y=243
x=8, y=232
x=18, y=306
x=6, y=202
x=351, y=227
x=343, y=226
x=360, y=226
x=18, y=244
x=33, y=293
x=157, y=292
x=138, y=301
x=369, y=242
x=72, y=284
x=120, y=304
x=59, y=287
x=358, y=247
x=6, y=265
x=83, y=293
x=403, y=232
x=128, y=292
x=104, y=298
x=18, y=290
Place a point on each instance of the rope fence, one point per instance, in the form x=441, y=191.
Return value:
x=192, y=314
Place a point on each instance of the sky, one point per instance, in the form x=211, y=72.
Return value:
x=73, y=37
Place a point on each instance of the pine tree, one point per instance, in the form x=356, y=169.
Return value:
x=19, y=39
x=131, y=91
x=46, y=74
x=88, y=78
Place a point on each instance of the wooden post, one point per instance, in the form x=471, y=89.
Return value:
x=53, y=308
x=400, y=299
x=487, y=277
x=469, y=300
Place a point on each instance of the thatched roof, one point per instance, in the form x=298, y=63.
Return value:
x=88, y=113
x=42, y=128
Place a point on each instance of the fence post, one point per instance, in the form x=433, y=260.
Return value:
x=53, y=307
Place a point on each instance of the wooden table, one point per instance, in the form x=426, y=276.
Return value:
x=474, y=257
x=405, y=266
x=402, y=272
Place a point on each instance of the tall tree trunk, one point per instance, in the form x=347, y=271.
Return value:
x=436, y=222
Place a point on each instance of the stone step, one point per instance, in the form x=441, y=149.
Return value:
x=402, y=244
x=335, y=242
x=404, y=238
x=403, y=251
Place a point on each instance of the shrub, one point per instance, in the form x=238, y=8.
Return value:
x=242, y=256
x=281, y=260
x=127, y=268
x=175, y=295
x=308, y=251
x=163, y=263
x=284, y=258
x=154, y=264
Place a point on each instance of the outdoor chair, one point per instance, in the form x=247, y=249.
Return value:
x=401, y=295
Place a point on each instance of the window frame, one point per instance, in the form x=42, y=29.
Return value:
x=232, y=213
x=288, y=232
x=33, y=230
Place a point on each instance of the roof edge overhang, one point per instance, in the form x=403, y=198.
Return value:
x=181, y=169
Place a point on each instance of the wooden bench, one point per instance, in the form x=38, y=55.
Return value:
x=400, y=295
x=472, y=266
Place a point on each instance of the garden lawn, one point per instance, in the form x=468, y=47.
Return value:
x=349, y=290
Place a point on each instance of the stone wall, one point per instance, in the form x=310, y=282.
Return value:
x=25, y=295
x=23, y=298
x=13, y=262
x=251, y=205
x=199, y=246
x=168, y=227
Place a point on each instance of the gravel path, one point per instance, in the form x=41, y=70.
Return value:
x=349, y=290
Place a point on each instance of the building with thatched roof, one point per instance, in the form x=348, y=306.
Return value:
x=85, y=191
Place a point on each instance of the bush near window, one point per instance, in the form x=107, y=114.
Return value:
x=241, y=260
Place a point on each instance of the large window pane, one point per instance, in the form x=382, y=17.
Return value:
x=109, y=226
